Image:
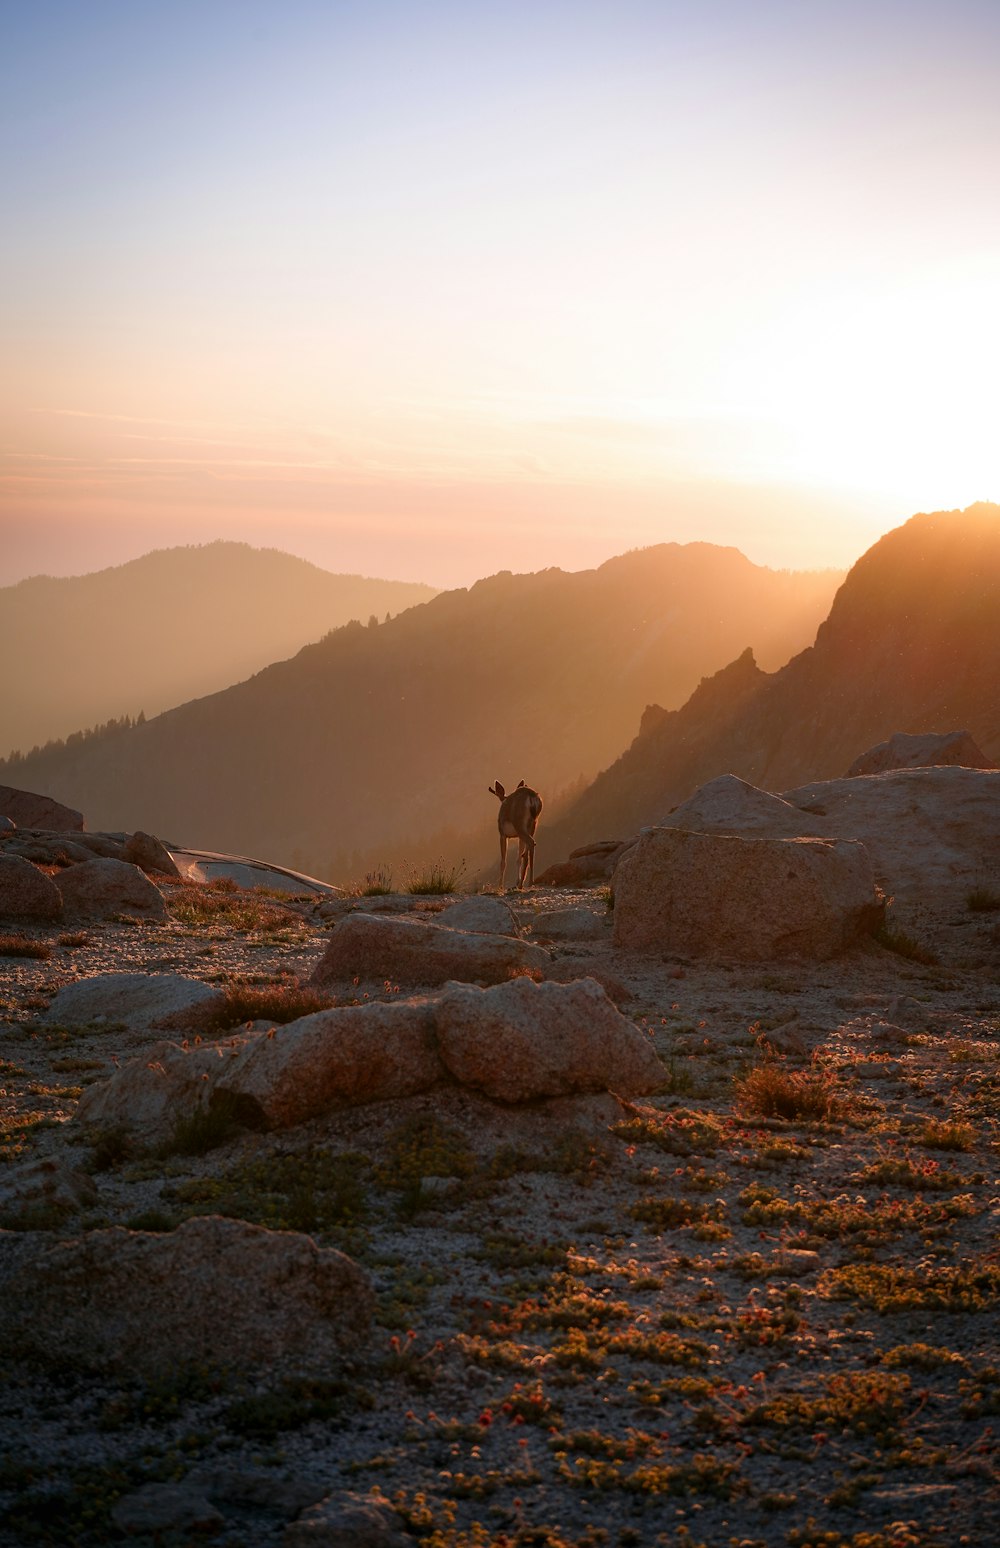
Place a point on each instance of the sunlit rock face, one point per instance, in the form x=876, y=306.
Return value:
x=98, y=889
x=414, y=951
x=744, y=899
x=922, y=751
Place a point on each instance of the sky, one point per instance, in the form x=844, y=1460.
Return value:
x=431, y=288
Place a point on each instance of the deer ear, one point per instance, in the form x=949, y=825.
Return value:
x=520, y=784
x=498, y=790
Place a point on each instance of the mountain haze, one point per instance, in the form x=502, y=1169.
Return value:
x=378, y=742
x=912, y=644
x=171, y=626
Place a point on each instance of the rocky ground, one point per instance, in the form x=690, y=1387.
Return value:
x=759, y=1308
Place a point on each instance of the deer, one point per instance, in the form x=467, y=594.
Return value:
x=517, y=818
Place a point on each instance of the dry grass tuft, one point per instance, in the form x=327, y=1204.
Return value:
x=770, y=1091
x=23, y=946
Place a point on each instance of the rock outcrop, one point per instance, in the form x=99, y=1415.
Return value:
x=149, y=1095
x=731, y=805
x=483, y=915
x=98, y=889
x=25, y=892
x=521, y=1041
x=586, y=866
x=139, y=1001
x=933, y=833
x=570, y=924
x=335, y=1058
x=744, y=899
x=411, y=952
x=215, y=1292
x=348, y=1521
x=43, y=1185
x=145, y=851
x=29, y=810
x=513, y=1042
x=912, y=752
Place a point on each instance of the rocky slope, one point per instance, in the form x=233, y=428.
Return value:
x=380, y=743
x=911, y=644
x=171, y=626
x=758, y=1304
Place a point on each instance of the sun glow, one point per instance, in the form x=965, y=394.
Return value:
x=896, y=392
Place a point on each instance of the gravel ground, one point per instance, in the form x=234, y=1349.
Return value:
x=702, y=1325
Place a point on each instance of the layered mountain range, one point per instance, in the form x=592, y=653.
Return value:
x=376, y=744
x=912, y=644
x=178, y=623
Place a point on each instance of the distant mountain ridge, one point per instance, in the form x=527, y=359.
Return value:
x=379, y=743
x=174, y=625
x=912, y=643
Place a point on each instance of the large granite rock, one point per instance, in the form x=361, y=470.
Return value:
x=930, y=749
x=586, y=866
x=414, y=951
x=348, y=1521
x=43, y=1184
x=140, y=1001
x=482, y=914
x=149, y=1095
x=27, y=893
x=29, y=810
x=933, y=834
x=335, y=1058
x=99, y=889
x=145, y=851
x=215, y=1292
x=731, y=805
x=514, y=1042
x=520, y=1041
x=748, y=899
x=570, y=924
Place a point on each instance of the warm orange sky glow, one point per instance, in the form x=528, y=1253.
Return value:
x=431, y=293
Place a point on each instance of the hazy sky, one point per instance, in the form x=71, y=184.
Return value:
x=429, y=289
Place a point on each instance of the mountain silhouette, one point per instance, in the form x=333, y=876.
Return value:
x=171, y=626
x=912, y=643
x=379, y=743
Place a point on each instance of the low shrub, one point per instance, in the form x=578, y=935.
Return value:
x=24, y=946
x=438, y=881
x=770, y=1091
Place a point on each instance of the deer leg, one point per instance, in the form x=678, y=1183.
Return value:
x=503, y=859
x=525, y=859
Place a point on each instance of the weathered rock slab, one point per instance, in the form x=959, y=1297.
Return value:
x=29, y=810
x=146, y=851
x=140, y=1001
x=348, y=1521
x=411, y=952
x=729, y=804
x=570, y=924
x=521, y=1041
x=98, y=889
x=44, y=1183
x=165, y=1507
x=587, y=866
x=933, y=833
x=147, y=1096
x=25, y=892
x=746, y=899
x=335, y=1058
x=214, y=1292
x=903, y=751
x=482, y=915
